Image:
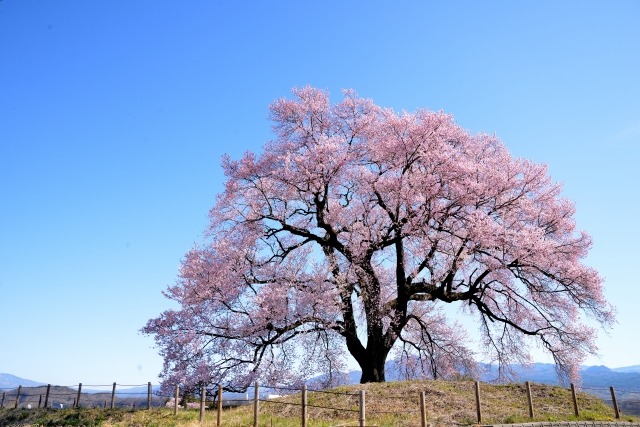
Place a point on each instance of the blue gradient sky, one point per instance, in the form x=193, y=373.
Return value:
x=114, y=115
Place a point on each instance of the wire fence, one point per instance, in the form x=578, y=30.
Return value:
x=345, y=406
x=81, y=396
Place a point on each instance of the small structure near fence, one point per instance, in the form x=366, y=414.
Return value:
x=354, y=404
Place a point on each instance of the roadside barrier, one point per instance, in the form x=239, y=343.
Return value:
x=348, y=404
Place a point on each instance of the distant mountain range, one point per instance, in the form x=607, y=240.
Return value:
x=592, y=376
x=598, y=378
x=634, y=368
x=8, y=381
x=595, y=379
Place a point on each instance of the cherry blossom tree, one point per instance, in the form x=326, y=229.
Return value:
x=350, y=234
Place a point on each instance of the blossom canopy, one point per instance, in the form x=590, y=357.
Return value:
x=351, y=232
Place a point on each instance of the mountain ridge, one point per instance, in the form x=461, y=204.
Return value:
x=627, y=377
x=9, y=381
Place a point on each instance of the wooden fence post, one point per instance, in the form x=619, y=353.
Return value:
x=2, y=402
x=478, y=410
x=175, y=403
x=40, y=402
x=203, y=397
x=113, y=395
x=77, y=404
x=423, y=409
x=304, y=406
x=149, y=395
x=18, y=396
x=256, y=398
x=529, y=398
x=576, y=412
x=362, y=408
x=615, y=403
x=219, y=420
x=46, y=396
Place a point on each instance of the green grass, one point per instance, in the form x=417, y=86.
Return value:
x=388, y=404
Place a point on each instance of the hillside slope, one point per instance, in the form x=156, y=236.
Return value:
x=387, y=404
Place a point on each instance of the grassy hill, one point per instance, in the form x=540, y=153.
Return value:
x=387, y=404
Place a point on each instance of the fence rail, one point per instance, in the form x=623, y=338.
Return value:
x=142, y=396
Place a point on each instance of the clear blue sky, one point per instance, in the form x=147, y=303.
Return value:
x=114, y=115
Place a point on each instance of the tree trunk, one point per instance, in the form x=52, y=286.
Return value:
x=373, y=371
x=372, y=364
x=372, y=357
